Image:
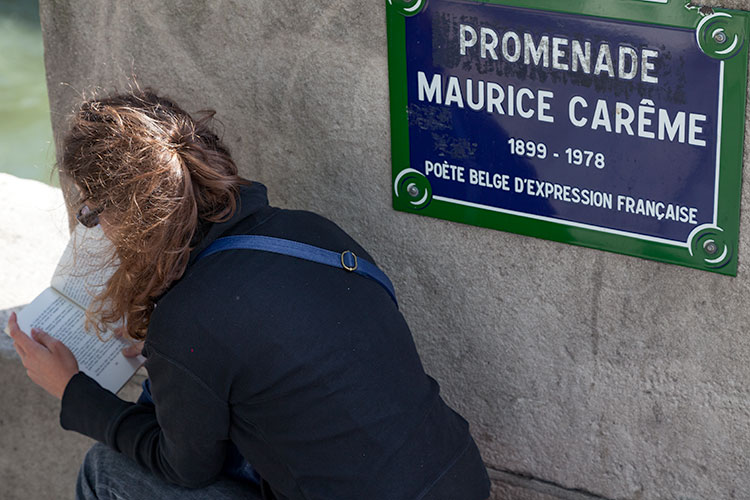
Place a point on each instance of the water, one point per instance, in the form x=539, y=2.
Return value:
x=26, y=148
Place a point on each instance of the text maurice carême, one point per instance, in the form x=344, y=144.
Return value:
x=563, y=54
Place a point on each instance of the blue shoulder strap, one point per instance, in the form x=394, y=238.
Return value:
x=346, y=260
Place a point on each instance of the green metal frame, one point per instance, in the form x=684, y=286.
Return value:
x=673, y=13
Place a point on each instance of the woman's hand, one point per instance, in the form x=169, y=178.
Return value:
x=133, y=349
x=48, y=362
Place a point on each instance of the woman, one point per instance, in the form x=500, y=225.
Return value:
x=308, y=370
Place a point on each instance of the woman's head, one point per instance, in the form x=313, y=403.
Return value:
x=154, y=173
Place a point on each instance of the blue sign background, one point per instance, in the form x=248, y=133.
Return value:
x=665, y=171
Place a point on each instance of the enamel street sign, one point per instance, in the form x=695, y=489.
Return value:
x=612, y=124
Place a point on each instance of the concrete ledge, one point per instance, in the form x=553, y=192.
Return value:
x=510, y=486
x=38, y=459
x=33, y=234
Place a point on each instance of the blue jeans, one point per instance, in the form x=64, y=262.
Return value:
x=109, y=475
x=235, y=465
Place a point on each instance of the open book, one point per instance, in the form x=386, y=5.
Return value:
x=60, y=310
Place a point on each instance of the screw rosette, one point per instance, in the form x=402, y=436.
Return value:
x=720, y=35
x=709, y=244
x=408, y=7
x=413, y=187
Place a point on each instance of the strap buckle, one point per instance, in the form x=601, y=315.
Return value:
x=349, y=256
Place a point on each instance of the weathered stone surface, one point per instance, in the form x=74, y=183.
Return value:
x=727, y=4
x=620, y=376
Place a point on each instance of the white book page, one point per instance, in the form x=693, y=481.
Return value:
x=101, y=360
x=82, y=271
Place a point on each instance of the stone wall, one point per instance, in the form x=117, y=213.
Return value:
x=584, y=374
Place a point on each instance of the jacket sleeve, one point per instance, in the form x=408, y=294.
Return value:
x=183, y=439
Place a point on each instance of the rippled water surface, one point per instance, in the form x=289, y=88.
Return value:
x=26, y=148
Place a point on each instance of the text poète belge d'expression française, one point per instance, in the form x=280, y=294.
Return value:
x=645, y=121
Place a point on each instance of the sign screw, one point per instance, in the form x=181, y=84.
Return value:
x=720, y=37
x=413, y=190
x=711, y=247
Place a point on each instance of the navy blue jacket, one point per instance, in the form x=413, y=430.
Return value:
x=311, y=371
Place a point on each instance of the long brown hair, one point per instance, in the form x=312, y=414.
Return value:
x=158, y=174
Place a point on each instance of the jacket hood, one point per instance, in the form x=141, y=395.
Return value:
x=251, y=201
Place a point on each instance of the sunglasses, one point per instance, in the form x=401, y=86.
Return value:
x=88, y=217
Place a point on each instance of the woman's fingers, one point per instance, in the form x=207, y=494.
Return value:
x=21, y=352
x=45, y=339
x=22, y=342
x=48, y=362
x=13, y=328
x=133, y=350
